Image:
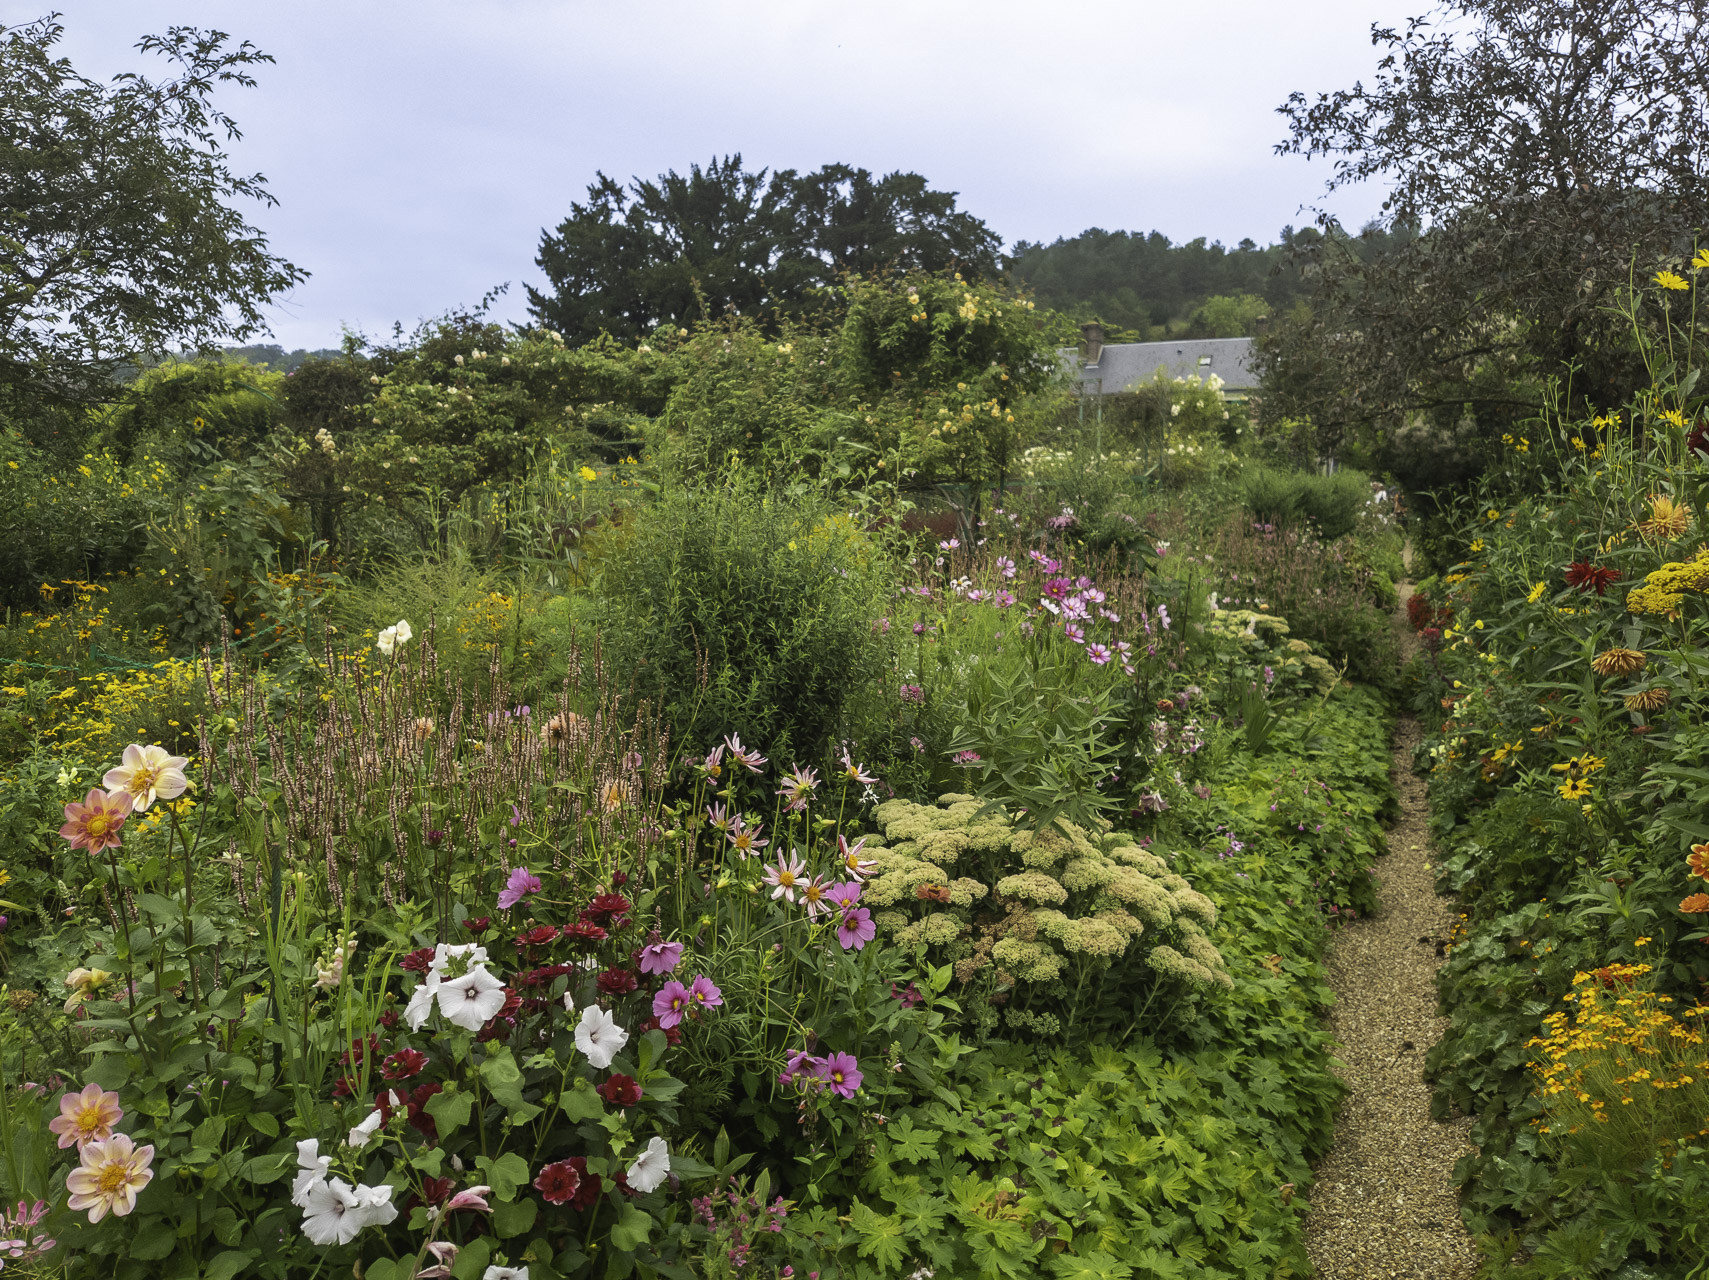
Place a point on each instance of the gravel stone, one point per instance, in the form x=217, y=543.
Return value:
x=1384, y=1203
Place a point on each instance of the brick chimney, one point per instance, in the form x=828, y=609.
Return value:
x=1091, y=343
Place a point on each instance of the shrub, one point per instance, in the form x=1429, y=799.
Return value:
x=1071, y=933
x=739, y=611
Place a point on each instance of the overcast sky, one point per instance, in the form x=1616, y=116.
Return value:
x=418, y=147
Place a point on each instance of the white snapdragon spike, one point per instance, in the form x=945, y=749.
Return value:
x=599, y=1037
x=360, y=1134
x=651, y=1167
x=469, y=1001
x=312, y=1167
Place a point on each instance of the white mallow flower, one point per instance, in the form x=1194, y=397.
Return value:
x=421, y=1000
x=360, y=1134
x=599, y=1037
x=569, y=1002
x=337, y=1212
x=311, y=1168
x=651, y=1167
x=470, y=1000
x=505, y=1273
x=446, y=952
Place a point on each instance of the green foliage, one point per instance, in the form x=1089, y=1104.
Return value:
x=1331, y=504
x=128, y=242
x=740, y=611
x=721, y=240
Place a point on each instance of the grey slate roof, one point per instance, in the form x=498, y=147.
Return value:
x=1121, y=365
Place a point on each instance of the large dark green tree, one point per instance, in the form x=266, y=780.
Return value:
x=117, y=232
x=723, y=240
x=1546, y=149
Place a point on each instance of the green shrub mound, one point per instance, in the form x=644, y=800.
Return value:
x=1066, y=930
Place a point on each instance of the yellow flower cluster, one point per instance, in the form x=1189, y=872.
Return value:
x=1623, y=1060
x=1663, y=592
x=115, y=709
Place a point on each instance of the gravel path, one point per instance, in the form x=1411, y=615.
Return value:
x=1384, y=1204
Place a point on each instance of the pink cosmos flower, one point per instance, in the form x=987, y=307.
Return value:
x=787, y=877
x=720, y=819
x=1074, y=633
x=845, y=894
x=1005, y=566
x=86, y=1117
x=94, y=824
x=1098, y=653
x=854, y=866
x=856, y=929
x=660, y=957
x=801, y=1066
x=1003, y=599
x=746, y=840
x=855, y=773
x=798, y=784
x=704, y=994
x=714, y=763
x=813, y=897
x=750, y=760
x=671, y=1004
x=521, y=884
x=841, y=1074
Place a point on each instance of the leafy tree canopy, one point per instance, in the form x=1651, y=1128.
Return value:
x=724, y=240
x=116, y=235
x=1544, y=147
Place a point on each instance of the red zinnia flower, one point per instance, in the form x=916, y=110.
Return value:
x=582, y=931
x=604, y=907
x=620, y=1091
x=538, y=936
x=559, y=1182
x=617, y=982
x=405, y=1064
x=1584, y=575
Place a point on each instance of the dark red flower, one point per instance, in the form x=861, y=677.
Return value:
x=587, y=1195
x=390, y=1020
x=619, y=879
x=583, y=931
x=559, y=1182
x=344, y=1088
x=617, y=982
x=437, y=1190
x=360, y=1049
x=539, y=936
x=1584, y=575
x=477, y=924
x=909, y=996
x=417, y=961
x=405, y=1064
x=673, y=1035
x=604, y=908
x=1698, y=441
x=620, y=1091
x=542, y=976
x=417, y=1114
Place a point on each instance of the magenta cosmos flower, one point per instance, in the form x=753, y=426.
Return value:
x=703, y=994
x=841, y=1074
x=856, y=928
x=672, y=1004
x=659, y=958
x=521, y=884
x=94, y=824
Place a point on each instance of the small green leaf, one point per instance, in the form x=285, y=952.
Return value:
x=450, y=1110
x=505, y=1174
x=515, y=1217
x=263, y=1122
x=631, y=1229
